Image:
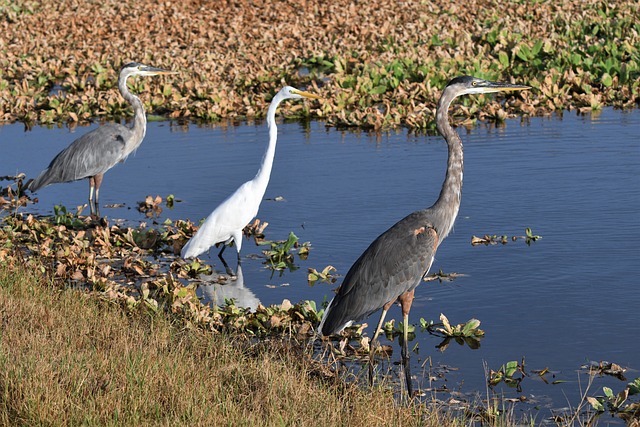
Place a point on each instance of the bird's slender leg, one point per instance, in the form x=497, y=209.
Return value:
x=92, y=184
x=97, y=179
x=374, y=342
x=224, y=262
x=405, y=302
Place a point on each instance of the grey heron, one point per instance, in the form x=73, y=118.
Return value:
x=224, y=225
x=95, y=152
x=393, y=265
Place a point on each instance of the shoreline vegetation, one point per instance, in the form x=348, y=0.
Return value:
x=78, y=346
x=377, y=65
x=67, y=358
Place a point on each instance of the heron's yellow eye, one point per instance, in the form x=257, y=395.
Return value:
x=474, y=83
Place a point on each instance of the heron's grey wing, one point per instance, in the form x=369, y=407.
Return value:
x=393, y=264
x=93, y=153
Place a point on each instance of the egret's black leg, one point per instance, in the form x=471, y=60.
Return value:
x=224, y=262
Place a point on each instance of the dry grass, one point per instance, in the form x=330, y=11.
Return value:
x=67, y=358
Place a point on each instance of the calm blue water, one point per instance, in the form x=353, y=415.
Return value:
x=569, y=298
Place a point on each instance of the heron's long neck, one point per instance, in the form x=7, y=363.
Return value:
x=262, y=177
x=448, y=202
x=140, y=119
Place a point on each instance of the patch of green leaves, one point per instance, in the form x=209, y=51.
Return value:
x=279, y=256
x=617, y=402
x=63, y=217
x=323, y=276
x=464, y=333
x=511, y=373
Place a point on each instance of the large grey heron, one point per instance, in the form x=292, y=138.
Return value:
x=393, y=265
x=95, y=152
x=224, y=225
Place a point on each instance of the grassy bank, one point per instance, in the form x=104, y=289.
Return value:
x=68, y=358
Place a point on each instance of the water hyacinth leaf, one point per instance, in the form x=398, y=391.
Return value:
x=524, y=53
x=410, y=328
x=446, y=325
x=504, y=59
x=324, y=275
x=608, y=392
x=595, y=404
x=511, y=368
x=634, y=387
x=378, y=90
x=606, y=79
x=470, y=326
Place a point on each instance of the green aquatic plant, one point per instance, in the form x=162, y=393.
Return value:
x=464, y=333
x=494, y=239
x=511, y=373
x=279, y=255
x=323, y=276
x=618, y=403
x=195, y=268
x=63, y=217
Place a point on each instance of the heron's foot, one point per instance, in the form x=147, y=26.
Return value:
x=406, y=367
x=372, y=361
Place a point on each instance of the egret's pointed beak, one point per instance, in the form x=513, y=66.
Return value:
x=305, y=94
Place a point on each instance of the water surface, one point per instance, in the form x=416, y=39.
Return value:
x=567, y=299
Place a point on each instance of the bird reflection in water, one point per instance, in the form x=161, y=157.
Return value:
x=217, y=293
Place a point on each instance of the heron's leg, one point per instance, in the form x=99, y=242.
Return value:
x=405, y=302
x=373, y=343
x=97, y=179
x=92, y=184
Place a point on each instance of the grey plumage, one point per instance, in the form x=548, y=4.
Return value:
x=393, y=265
x=94, y=153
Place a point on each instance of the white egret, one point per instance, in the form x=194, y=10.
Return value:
x=224, y=225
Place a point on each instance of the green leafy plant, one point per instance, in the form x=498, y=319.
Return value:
x=324, y=275
x=511, y=373
x=464, y=333
x=618, y=402
x=504, y=239
x=62, y=217
x=279, y=256
x=195, y=268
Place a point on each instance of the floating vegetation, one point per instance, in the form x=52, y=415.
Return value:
x=137, y=268
x=279, y=256
x=151, y=206
x=441, y=276
x=12, y=196
x=617, y=403
x=511, y=373
x=605, y=368
x=323, y=276
x=487, y=240
x=465, y=333
x=376, y=65
x=255, y=230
